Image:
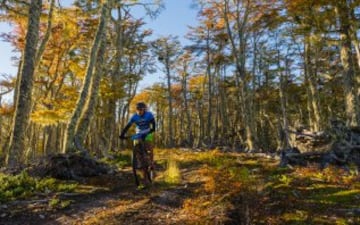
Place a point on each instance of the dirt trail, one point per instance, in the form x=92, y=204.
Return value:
x=116, y=201
x=213, y=188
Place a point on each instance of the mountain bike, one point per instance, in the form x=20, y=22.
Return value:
x=141, y=160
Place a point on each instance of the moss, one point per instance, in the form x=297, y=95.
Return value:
x=54, y=202
x=297, y=217
x=120, y=159
x=349, y=197
x=57, y=203
x=240, y=174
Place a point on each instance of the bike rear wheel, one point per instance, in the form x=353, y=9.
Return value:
x=134, y=164
x=141, y=162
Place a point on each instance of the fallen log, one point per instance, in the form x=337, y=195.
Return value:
x=341, y=158
x=338, y=145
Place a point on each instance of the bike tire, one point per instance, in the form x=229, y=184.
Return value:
x=134, y=168
x=145, y=165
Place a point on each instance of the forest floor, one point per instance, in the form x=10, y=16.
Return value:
x=200, y=188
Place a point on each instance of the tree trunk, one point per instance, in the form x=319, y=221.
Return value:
x=24, y=98
x=46, y=36
x=51, y=145
x=189, y=135
x=342, y=11
x=79, y=108
x=282, y=92
x=240, y=62
x=310, y=80
x=225, y=124
x=110, y=121
x=91, y=103
x=208, y=132
x=170, y=108
x=356, y=44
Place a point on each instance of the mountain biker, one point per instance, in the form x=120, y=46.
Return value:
x=145, y=124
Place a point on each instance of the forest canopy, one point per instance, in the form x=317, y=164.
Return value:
x=253, y=71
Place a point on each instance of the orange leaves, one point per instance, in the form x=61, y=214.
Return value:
x=209, y=179
x=176, y=90
x=208, y=12
x=197, y=82
x=213, y=18
x=220, y=24
x=6, y=110
x=213, y=198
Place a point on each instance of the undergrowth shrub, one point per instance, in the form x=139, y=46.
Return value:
x=23, y=186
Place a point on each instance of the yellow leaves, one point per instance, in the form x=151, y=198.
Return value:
x=49, y=117
x=197, y=81
x=77, y=69
x=316, y=39
x=110, y=89
x=50, y=111
x=105, y=89
x=196, y=84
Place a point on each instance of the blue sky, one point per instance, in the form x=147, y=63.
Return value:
x=173, y=20
x=6, y=65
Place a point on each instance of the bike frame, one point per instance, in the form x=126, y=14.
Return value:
x=140, y=153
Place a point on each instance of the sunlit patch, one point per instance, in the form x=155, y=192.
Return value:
x=172, y=174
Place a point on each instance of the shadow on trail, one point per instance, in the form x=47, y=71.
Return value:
x=104, y=188
x=115, y=200
x=156, y=205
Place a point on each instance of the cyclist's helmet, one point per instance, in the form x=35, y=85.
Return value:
x=141, y=105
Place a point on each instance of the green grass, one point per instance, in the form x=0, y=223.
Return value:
x=57, y=203
x=23, y=186
x=120, y=159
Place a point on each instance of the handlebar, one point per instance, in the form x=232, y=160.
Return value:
x=137, y=136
